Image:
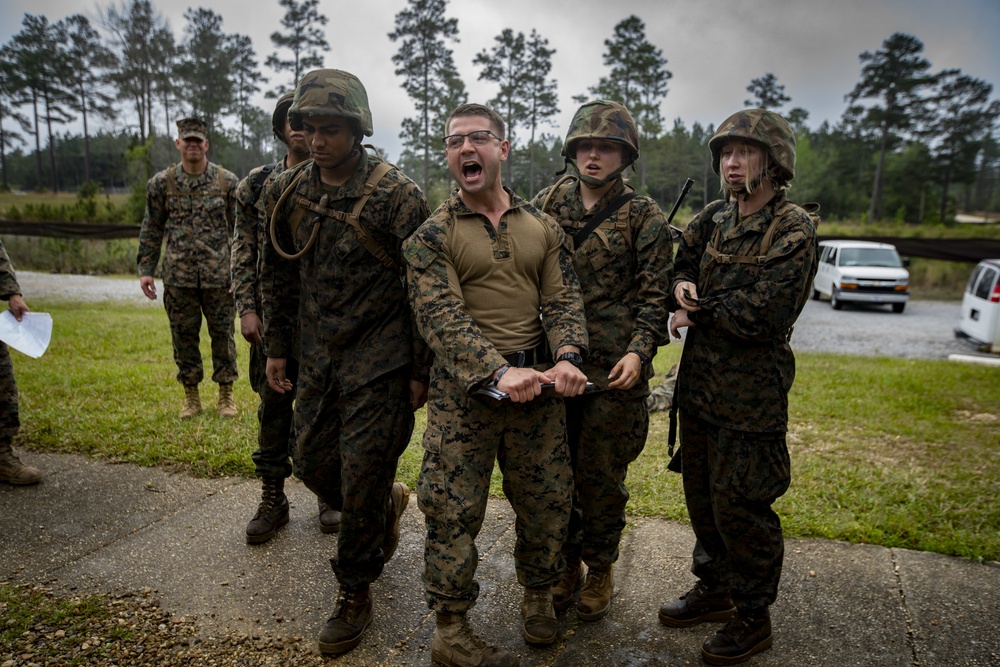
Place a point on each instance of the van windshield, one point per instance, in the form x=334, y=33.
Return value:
x=886, y=257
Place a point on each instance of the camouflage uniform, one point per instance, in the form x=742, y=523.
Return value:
x=274, y=414
x=465, y=433
x=197, y=223
x=735, y=374
x=10, y=422
x=347, y=315
x=624, y=280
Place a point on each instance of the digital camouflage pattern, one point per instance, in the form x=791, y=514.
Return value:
x=185, y=306
x=250, y=236
x=346, y=449
x=737, y=366
x=274, y=413
x=730, y=480
x=9, y=419
x=347, y=316
x=735, y=374
x=191, y=127
x=603, y=119
x=331, y=92
x=196, y=223
x=353, y=311
x=465, y=434
x=459, y=346
x=764, y=128
x=624, y=278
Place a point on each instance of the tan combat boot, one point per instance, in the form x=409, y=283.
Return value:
x=539, y=616
x=568, y=586
x=595, y=598
x=13, y=471
x=227, y=404
x=398, y=499
x=456, y=645
x=192, y=402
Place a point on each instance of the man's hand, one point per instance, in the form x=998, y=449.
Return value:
x=17, y=306
x=626, y=372
x=570, y=380
x=251, y=328
x=686, y=295
x=275, y=372
x=679, y=320
x=148, y=287
x=523, y=384
x=418, y=394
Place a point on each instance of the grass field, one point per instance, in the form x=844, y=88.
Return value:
x=913, y=461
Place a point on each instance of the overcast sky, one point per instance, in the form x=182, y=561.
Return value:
x=712, y=47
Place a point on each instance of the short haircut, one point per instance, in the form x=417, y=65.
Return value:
x=496, y=121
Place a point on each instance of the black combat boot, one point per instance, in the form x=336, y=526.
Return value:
x=748, y=632
x=272, y=513
x=350, y=619
x=329, y=518
x=698, y=605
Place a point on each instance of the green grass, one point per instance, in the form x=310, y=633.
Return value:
x=896, y=452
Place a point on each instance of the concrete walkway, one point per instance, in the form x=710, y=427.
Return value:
x=103, y=527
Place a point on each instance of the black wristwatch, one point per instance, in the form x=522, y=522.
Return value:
x=572, y=357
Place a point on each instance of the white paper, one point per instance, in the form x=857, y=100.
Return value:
x=31, y=335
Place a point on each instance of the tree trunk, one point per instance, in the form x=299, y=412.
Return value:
x=875, y=209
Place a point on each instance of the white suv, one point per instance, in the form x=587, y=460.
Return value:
x=861, y=272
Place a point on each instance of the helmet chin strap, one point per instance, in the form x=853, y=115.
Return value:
x=597, y=183
x=355, y=151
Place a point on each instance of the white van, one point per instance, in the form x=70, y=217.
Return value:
x=861, y=272
x=981, y=304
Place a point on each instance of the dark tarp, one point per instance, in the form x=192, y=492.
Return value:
x=955, y=250
x=69, y=230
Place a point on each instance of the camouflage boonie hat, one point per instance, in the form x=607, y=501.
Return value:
x=280, y=114
x=762, y=127
x=607, y=120
x=191, y=127
x=331, y=92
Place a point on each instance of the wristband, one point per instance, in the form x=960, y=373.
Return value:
x=496, y=378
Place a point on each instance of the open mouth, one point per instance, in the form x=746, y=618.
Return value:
x=471, y=171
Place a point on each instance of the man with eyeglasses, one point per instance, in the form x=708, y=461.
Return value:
x=492, y=285
x=191, y=205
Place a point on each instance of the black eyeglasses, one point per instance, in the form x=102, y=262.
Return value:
x=478, y=138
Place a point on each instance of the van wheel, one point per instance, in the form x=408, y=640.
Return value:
x=835, y=301
x=815, y=294
x=898, y=307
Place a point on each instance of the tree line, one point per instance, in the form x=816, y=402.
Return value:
x=912, y=144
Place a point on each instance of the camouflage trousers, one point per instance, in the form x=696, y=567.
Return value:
x=185, y=306
x=464, y=435
x=731, y=479
x=606, y=431
x=275, y=436
x=10, y=422
x=346, y=450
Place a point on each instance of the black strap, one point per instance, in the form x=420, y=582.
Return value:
x=258, y=184
x=581, y=235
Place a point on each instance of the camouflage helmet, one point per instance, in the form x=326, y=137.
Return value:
x=331, y=92
x=764, y=128
x=607, y=120
x=280, y=114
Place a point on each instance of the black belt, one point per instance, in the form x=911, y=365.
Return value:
x=525, y=358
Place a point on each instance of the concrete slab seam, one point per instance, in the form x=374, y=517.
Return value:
x=910, y=639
